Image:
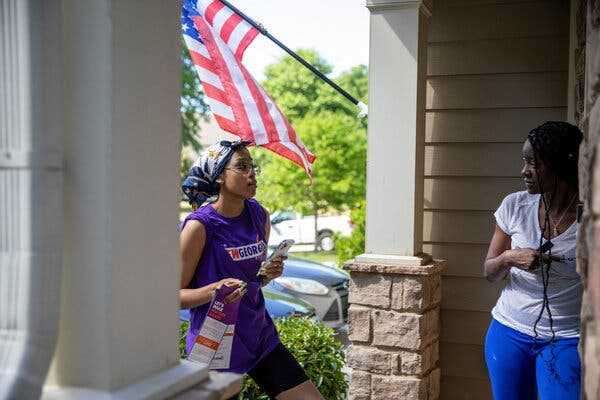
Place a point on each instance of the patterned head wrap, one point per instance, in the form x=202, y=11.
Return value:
x=200, y=183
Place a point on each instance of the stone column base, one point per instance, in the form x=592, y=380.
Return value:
x=394, y=330
x=186, y=381
x=220, y=386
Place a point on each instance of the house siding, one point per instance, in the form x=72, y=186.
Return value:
x=495, y=70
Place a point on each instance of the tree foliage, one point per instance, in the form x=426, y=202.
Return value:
x=294, y=88
x=328, y=126
x=348, y=247
x=326, y=122
x=317, y=350
x=355, y=82
x=299, y=92
x=339, y=171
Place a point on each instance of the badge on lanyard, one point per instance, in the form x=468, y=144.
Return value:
x=213, y=344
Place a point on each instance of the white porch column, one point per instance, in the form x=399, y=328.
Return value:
x=395, y=294
x=31, y=182
x=397, y=68
x=119, y=324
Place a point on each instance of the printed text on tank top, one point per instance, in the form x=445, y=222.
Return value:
x=246, y=252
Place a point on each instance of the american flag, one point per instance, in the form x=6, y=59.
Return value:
x=216, y=38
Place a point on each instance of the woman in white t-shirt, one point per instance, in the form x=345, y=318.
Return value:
x=531, y=344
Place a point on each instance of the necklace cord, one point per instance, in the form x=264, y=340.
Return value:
x=545, y=266
x=556, y=224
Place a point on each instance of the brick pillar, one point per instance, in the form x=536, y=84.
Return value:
x=394, y=330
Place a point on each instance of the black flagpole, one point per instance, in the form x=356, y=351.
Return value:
x=301, y=60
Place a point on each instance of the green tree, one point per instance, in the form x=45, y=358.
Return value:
x=339, y=141
x=299, y=92
x=293, y=87
x=328, y=125
x=355, y=82
x=348, y=247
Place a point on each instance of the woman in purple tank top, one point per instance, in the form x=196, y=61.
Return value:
x=224, y=242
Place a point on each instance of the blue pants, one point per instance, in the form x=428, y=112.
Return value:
x=522, y=368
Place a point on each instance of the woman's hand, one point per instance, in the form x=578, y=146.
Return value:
x=274, y=268
x=525, y=259
x=237, y=294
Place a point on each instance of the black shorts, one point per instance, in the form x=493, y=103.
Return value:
x=278, y=371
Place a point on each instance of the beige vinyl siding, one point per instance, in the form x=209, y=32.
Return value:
x=484, y=20
x=465, y=388
x=484, y=125
x=495, y=69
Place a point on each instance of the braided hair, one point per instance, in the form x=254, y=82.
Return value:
x=556, y=143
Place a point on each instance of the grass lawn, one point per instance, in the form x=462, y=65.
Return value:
x=321, y=256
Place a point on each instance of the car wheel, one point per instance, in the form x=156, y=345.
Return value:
x=325, y=241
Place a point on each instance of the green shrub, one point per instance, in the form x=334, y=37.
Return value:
x=183, y=328
x=348, y=247
x=318, y=352
x=316, y=349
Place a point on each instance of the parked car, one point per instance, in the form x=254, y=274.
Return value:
x=278, y=305
x=324, y=287
x=281, y=305
x=309, y=289
x=290, y=225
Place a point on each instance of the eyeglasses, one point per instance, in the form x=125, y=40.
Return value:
x=245, y=168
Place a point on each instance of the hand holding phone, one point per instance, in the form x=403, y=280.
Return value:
x=280, y=251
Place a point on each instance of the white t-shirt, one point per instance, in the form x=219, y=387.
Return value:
x=521, y=300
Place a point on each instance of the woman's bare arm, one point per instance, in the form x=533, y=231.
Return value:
x=495, y=266
x=191, y=243
x=501, y=258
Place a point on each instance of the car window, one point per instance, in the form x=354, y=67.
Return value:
x=283, y=216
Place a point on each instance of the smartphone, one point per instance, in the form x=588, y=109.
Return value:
x=281, y=250
x=546, y=246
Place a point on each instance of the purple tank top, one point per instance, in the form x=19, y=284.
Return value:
x=235, y=248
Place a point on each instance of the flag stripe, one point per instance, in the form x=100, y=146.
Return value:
x=237, y=35
x=232, y=23
x=271, y=130
x=217, y=39
x=247, y=39
x=217, y=94
x=279, y=148
x=194, y=45
x=277, y=118
x=293, y=138
x=202, y=61
x=235, y=100
x=282, y=130
x=210, y=9
x=241, y=85
x=219, y=108
x=227, y=124
x=301, y=153
x=286, y=133
x=290, y=134
x=220, y=19
x=243, y=32
x=209, y=77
